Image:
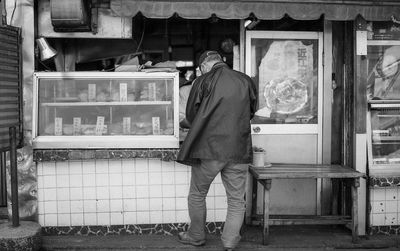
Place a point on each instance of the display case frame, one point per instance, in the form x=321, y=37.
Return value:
x=381, y=169
x=106, y=141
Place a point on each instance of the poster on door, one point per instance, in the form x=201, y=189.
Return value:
x=286, y=79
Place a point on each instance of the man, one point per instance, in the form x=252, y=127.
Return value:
x=184, y=91
x=219, y=109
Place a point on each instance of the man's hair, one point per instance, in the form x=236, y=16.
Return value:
x=213, y=58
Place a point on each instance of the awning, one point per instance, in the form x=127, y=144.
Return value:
x=371, y=10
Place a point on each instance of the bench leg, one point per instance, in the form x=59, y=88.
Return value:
x=249, y=197
x=354, y=216
x=267, y=188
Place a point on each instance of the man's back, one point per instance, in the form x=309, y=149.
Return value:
x=220, y=108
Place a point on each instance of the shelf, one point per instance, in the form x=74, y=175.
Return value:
x=384, y=101
x=387, y=138
x=388, y=115
x=128, y=103
x=385, y=143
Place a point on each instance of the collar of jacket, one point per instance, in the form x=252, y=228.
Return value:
x=218, y=65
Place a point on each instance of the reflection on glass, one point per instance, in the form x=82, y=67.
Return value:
x=98, y=107
x=385, y=123
x=383, y=72
x=286, y=73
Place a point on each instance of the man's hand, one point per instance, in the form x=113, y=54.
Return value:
x=184, y=123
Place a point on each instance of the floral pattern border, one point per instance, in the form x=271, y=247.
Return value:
x=142, y=229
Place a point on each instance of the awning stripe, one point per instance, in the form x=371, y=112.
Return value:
x=268, y=10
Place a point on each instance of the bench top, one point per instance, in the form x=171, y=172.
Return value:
x=293, y=171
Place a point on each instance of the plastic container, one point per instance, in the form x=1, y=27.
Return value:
x=258, y=158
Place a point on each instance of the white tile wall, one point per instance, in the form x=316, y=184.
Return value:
x=117, y=218
x=77, y=219
x=89, y=219
x=385, y=206
x=130, y=191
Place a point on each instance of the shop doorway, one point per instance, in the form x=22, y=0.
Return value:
x=287, y=68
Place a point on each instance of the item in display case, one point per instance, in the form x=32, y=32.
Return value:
x=144, y=126
x=150, y=92
x=77, y=126
x=83, y=96
x=58, y=126
x=123, y=92
x=383, y=78
x=91, y=129
x=156, y=125
x=66, y=99
x=380, y=161
x=69, y=130
x=99, y=125
x=116, y=128
x=126, y=125
x=92, y=92
x=386, y=30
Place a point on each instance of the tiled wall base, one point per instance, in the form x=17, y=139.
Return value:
x=120, y=192
x=143, y=229
x=385, y=210
x=386, y=230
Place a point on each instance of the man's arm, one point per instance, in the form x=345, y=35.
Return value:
x=253, y=98
x=194, y=100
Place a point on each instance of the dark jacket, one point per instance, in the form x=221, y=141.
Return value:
x=219, y=109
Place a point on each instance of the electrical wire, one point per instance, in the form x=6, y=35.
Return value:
x=12, y=15
x=139, y=44
x=45, y=66
x=141, y=39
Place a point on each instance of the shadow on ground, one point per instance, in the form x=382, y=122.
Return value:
x=282, y=238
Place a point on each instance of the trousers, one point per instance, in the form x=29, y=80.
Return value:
x=234, y=180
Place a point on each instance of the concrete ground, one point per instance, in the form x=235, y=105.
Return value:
x=282, y=238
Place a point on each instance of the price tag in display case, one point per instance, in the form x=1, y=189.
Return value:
x=156, y=125
x=152, y=91
x=123, y=92
x=99, y=125
x=58, y=126
x=126, y=125
x=77, y=126
x=92, y=92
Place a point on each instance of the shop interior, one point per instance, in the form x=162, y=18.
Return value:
x=160, y=40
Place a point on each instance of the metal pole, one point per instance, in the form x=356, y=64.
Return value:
x=3, y=188
x=14, y=177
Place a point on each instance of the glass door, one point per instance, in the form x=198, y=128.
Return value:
x=287, y=68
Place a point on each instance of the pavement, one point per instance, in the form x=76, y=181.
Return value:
x=296, y=238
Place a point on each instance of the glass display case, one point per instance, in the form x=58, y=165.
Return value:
x=383, y=69
x=105, y=110
x=384, y=136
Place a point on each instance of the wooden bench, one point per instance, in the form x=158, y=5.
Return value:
x=265, y=175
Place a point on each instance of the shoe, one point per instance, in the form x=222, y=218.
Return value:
x=186, y=239
x=228, y=249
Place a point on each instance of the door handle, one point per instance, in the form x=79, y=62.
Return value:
x=256, y=129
